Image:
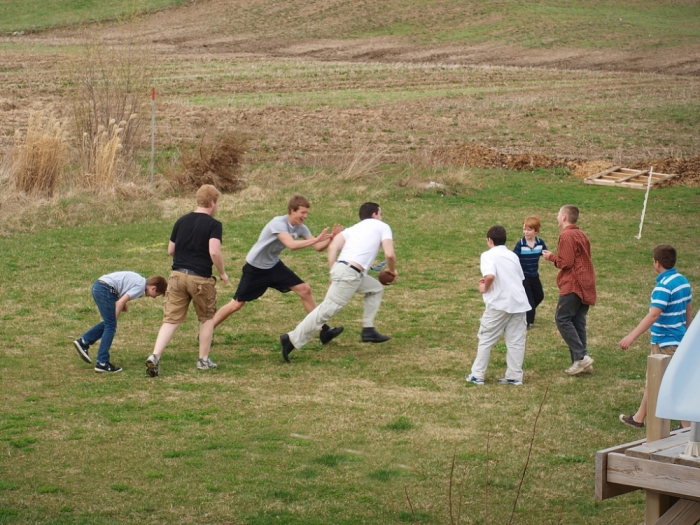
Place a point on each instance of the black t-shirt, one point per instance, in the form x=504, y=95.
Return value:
x=191, y=235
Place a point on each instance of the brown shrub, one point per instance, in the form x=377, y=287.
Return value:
x=39, y=156
x=112, y=85
x=215, y=161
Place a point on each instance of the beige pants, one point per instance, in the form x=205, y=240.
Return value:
x=345, y=282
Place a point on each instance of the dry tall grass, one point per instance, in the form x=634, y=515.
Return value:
x=102, y=154
x=39, y=156
x=113, y=85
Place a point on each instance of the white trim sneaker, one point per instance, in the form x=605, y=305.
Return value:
x=107, y=367
x=580, y=366
x=82, y=349
x=474, y=380
x=504, y=381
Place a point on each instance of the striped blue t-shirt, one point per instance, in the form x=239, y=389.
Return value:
x=530, y=257
x=671, y=294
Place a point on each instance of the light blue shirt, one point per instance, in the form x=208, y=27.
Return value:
x=672, y=295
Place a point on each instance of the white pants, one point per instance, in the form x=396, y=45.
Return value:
x=345, y=282
x=493, y=324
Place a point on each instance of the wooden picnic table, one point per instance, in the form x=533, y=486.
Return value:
x=655, y=464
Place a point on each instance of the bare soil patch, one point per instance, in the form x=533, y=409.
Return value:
x=475, y=156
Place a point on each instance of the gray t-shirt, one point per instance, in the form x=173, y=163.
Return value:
x=126, y=283
x=266, y=252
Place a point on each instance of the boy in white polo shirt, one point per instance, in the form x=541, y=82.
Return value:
x=358, y=246
x=506, y=304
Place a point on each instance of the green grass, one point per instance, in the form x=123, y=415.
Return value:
x=23, y=15
x=602, y=24
x=343, y=432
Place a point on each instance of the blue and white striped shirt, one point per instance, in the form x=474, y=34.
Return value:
x=672, y=295
x=530, y=257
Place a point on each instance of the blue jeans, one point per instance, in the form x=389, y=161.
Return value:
x=104, y=332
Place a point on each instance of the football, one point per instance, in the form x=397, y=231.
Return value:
x=386, y=278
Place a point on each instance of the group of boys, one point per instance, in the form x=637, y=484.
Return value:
x=512, y=290
x=510, y=287
x=195, y=245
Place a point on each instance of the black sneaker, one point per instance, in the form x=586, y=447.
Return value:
x=328, y=335
x=370, y=335
x=82, y=349
x=107, y=367
x=287, y=347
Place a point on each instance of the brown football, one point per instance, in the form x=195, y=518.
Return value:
x=386, y=277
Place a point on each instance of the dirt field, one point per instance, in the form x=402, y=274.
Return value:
x=429, y=104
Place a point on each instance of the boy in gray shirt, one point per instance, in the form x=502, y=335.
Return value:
x=111, y=293
x=264, y=269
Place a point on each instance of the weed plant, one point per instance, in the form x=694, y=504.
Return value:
x=39, y=155
x=347, y=431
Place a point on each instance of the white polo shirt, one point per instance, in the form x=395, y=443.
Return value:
x=363, y=240
x=507, y=292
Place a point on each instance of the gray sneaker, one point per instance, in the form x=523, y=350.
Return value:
x=152, y=365
x=205, y=364
x=580, y=366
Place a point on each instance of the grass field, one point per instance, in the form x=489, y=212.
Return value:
x=348, y=433
x=342, y=433
x=32, y=15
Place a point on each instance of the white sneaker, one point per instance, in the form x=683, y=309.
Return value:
x=205, y=364
x=580, y=366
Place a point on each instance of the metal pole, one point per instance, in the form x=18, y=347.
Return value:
x=153, y=130
x=644, y=209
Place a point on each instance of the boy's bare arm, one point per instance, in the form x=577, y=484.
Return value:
x=121, y=305
x=486, y=282
x=292, y=244
x=642, y=327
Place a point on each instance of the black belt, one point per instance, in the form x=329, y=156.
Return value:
x=188, y=272
x=351, y=266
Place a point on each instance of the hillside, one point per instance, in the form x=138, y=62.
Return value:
x=334, y=80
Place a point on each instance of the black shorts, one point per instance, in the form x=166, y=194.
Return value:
x=255, y=282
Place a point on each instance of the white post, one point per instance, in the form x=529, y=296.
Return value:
x=644, y=209
x=153, y=130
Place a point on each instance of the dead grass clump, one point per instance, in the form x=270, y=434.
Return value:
x=101, y=156
x=39, y=156
x=452, y=181
x=214, y=161
x=363, y=164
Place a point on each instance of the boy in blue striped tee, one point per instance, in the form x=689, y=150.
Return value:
x=669, y=315
x=529, y=250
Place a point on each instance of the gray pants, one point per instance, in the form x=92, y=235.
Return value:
x=571, y=322
x=345, y=282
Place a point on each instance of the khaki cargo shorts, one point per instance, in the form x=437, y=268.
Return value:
x=666, y=350
x=183, y=289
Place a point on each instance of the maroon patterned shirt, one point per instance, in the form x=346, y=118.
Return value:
x=573, y=259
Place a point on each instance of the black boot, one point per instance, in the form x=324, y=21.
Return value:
x=328, y=334
x=287, y=347
x=370, y=335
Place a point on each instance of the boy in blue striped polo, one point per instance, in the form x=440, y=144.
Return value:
x=669, y=316
x=529, y=250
